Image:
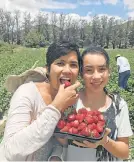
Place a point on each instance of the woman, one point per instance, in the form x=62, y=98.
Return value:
x=115, y=144
x=36, y=108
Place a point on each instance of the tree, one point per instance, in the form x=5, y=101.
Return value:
x=34, y=38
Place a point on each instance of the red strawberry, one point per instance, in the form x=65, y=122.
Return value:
x=71, y=117
x=82, y=111
x=67, y=83
x=95, y=118
x=75, y=123
x=80, y=133
x=61, y=124
x=90, y=113
x=96, y=112
x=86, y=132
x=82, y=126
x=92, y=126
x=89, y=120
x=74, y=130
x=65, y=129
x=99, y=128
x=80, y=117
x=95, y=133
x=68, y=124
x=101, y=117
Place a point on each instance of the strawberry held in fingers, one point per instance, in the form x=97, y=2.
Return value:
x=67, y=83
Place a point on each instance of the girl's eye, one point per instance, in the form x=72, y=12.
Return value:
x=102, y=69
x=88, y=70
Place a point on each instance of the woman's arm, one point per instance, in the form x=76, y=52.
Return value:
x=119, y=148
x=21, y=137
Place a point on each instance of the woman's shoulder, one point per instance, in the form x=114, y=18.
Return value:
x=26, y=90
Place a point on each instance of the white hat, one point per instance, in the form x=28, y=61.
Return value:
x=36, y=75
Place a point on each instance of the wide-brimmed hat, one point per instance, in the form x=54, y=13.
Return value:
x=37, y=74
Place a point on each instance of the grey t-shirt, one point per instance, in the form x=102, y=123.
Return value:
x=123, y=129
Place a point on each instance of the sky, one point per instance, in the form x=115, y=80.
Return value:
x=120, y=9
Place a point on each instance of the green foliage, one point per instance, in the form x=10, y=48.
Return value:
x=5, y=47
x=34, y=38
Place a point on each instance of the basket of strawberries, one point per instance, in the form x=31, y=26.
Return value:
x=82, y=125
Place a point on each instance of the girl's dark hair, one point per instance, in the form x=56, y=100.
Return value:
x=95, y=50
x=56, y=50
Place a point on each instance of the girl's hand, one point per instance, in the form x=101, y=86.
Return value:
x=95, y=145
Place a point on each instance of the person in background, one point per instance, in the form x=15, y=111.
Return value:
x=36, y=107
x=123, y=70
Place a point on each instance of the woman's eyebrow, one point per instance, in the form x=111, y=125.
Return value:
x=59, y=60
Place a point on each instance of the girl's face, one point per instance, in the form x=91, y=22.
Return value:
x=95, y=72
x=65, y=68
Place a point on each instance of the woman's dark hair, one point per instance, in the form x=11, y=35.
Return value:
x=56, y=50
x=95, y=50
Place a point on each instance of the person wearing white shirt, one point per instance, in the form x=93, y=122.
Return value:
x=123, y=70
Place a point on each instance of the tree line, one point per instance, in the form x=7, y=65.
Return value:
x=45, y=28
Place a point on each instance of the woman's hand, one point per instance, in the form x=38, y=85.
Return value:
x=66, y=96
x=95, y=145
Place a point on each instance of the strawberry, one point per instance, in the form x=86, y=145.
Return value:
x=74, y=130
x=82, y=111
x=99, y=128
x=96, y=112
x=95, y=133
x=89, y=120
x=70, y=130
x=80, y=133
x=90, y=113
x=82, y=126
x=95, y=118
x=75, y=123
x=101, y=117
x=80, y=117
x=92, y=126
x=71, y=117
x=68, y=124
x=86, y=132
x=61, y=124
x=65, y=129
x=67, y=83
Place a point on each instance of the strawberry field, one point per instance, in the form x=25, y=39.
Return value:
x=21, y=59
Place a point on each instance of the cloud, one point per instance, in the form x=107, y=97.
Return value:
x=113, y=2
x=35, y=5
x=131, y=14
x=89, y=2
x=109, y=16
x=129, y=4
x=2, y=4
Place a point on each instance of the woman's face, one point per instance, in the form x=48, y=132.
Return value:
x=65, y=68
x=95, y=72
